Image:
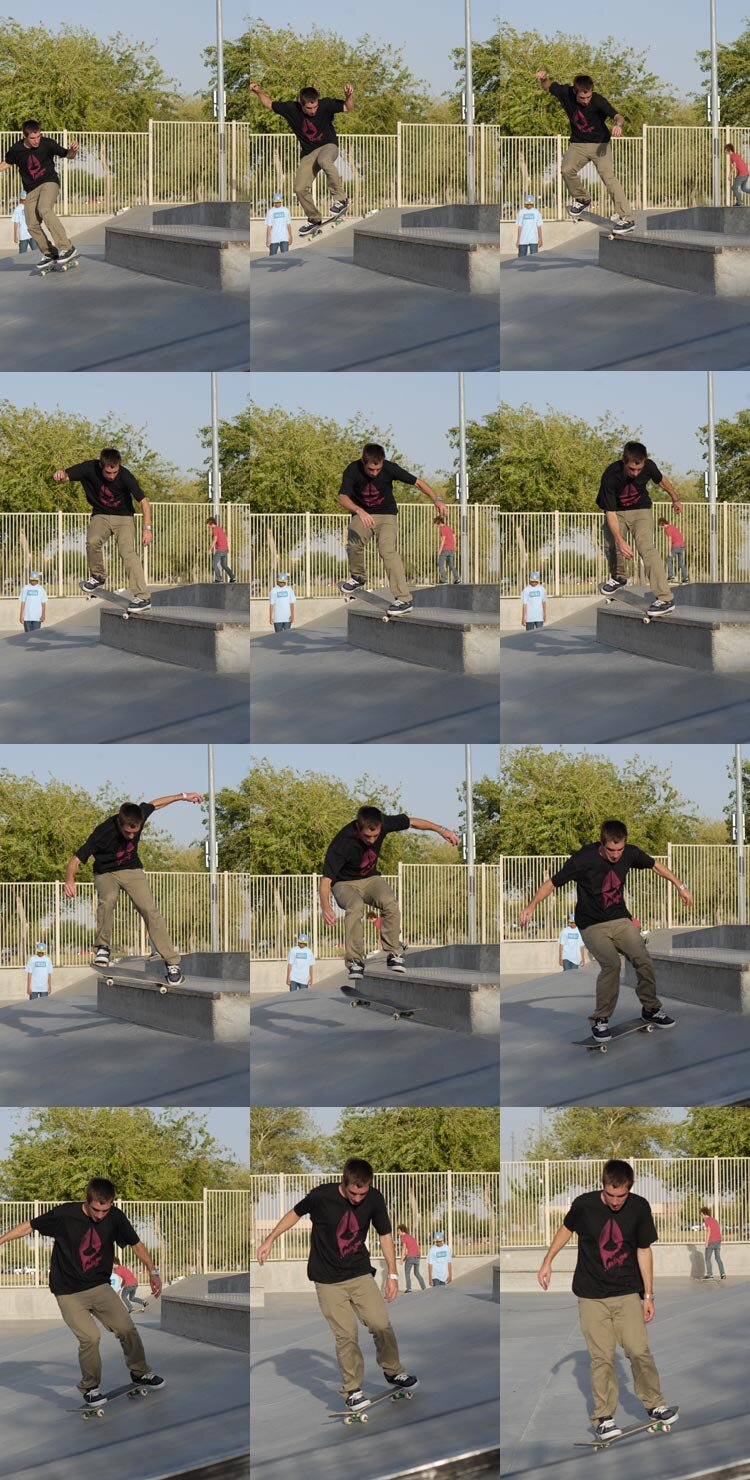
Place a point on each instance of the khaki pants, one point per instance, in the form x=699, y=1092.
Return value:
x=37, y=209
x=385, y=532
x=78, y=1313
x=308, y=169
x=101, y=528
x=134, y=883
x=600, y=155
x=343, y=1305
x=607, y=943
x=637, y=527
x=607, y=1324
x=353, y=896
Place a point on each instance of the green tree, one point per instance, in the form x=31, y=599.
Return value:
x=294, y=459
x=484, y=462
x=734, y=81
x=486, y=60
x=72, y=79
x=233, y=827
x=412, y=1138
x=715, y=1130
x=602, y=1131
x=292, y=817
x=486, y=819
x=286, y=1140
x=732, y=456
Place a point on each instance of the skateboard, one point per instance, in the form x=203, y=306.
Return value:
x=608, y=230
x=105, y=594
x=352, y=595
x=654, y=1426
x=391, y=1009
x=114, y=973
x=636, y=1025
x=626, y=601
x=89, y=1410
x=395, y=1394
x=44, y=268
x=331, y=221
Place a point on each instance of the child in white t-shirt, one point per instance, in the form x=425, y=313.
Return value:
x=529, y=229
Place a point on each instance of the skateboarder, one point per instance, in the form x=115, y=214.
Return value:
x=367, y=492
x=589, y=144
x=310, y=118
x=350, y=874
x=85, y=1235
x=623, y=496
x=34, y=157
x=614, y=1283
x=339, y=1267
x=220, y=553
x=110, y=489
x=600, y=872
x=113, y=845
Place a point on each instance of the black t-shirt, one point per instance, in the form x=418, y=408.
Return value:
x=37, y=165
x=105, y=496
x=619, y=491
x=374, y=494
x=109, y=849
x=607, y=1245
x=311, y=131
x=84, y=1251
x=601, y=884
x=349, y=857
x=587, y=124
x=339, y=1229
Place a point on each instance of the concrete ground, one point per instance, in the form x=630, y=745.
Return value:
x=312, y=676
x=314, y=300
x=62, y=685
x=295, y=1383
x=562, y=311
x=199, y=1416
x=703, y=1060
x=699, y=1341
x=62, y=1049
x=306, y=1046
x=561, y=685
x=102, y=317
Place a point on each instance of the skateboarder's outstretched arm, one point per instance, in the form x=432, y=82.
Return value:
x=263, y=97
x=544, y=79
x=21, y=1230
x=284, y=1224
x=682, y=889
x=179, y=796
x=544, y=1273
x=348, y=98
x=543, y=892
x=389, y=1254
x=154, y=1278
x=445, y=832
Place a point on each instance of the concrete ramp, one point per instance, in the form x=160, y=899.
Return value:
x=709, y=629
x=702, y=249
x=435, y=634
x=464, y=999
x=453, y=247
x=710, y=967
x=210, y=1308
x=211, y=1007
x=206, y=245
x=201, y=637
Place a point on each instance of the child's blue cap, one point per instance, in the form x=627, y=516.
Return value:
x=534, y=575
x=34, y=575
x=283, y=575
x=528, y=200
x=277, y=195
x=41, y=945
x=302, y=937
x=439, y=1235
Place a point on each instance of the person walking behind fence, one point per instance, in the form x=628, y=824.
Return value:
x=34, y=157
x=533, y=604
x=300, y=964
x=21, y=234
x=220, y=553
x=446, y=552
x=628, y=511
x=110, y=489
x=439, y=1261
x=676, y=554
x=113, y=846
x=571, y=953
x=713, y=1244
x=310, y=118
x=39, y=973
x=600, y=871
x=367, y=492
x=411, y=1257
x=529, y=225
x=278, y=226
x=741, y=181
x=589, y=144
x=33, y=608
x=281, y=604
x=128, y=1287
x=339, y=1266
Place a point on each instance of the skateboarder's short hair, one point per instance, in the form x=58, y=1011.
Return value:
x=583, y=81
x=101, y=1189
x=635, y=449
x=615, y=1173
x=308, y=94
x=31, y=126
x=130, y=812
x=374, y=450
x=612, y=831
x=370, y=816
x=357, y=1172
x=110, y=456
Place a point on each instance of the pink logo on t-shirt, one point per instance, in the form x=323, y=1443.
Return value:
x=90, y=1250
x=34, y=166
x=580, y=122
x=368, y=861
x=125, y=853
x=611, y=889
x=348, y=1235
x=311, y=130
x=371, y=495
x=611, y=1245
x=630, y=495
x=108, y=496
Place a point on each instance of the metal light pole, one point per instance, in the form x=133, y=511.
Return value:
x=469, y=108
x=712, y=493
x=212, y=855
x=739, y=812
x=470, y=868
x=220, y=103
x=463, y=485
x=215, y=467
x=715, y=154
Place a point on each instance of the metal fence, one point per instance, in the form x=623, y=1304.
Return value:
x=433, y=899
x=536, y=1195
x=183, y=1238
x=312, y=548
x=568, y=551
x=663, y=167
x=462, y=1205
x=708, y=869
x=180, y=553
x=32, y=912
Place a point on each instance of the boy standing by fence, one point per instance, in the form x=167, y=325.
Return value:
x=220, y=553
x=367, y=492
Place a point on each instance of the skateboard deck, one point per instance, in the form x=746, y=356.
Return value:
x=114, y=973
x=90, y=1410
x=636, y=1025
x=654, y=1426
x=394, y=1394
x=120, y=599
x=384, y=1004
x=43, y=269
x=604, y=222
x=331, y=221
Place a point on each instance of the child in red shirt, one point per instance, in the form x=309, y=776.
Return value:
x=713, y=1244
x=740, y=183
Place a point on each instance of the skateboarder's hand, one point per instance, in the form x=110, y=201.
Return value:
x=391, y=1287
x=329, y=915
x=450, y=836
x=541, y=75
x=60, y=476
x=525, y=916
x=154, y=1280
x=147, y=536
x=73, y=148
x=616, y=130
x=366, y=518
x=544, y=1275
x=685, y=896
x=255, y=87
x=263, y=1250
x=69, y=890
x=193, y=796
x=348, y=91
x=625, y=549
x=649, y=1310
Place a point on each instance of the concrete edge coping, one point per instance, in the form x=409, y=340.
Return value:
x=184, y=617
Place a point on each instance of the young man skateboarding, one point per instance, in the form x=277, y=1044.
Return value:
x=614, y=1283
x=589, y=144
x=110, y=489
x=350, y=874
x=310, y=118
x=600, y=871
x=629, y=520
x=113, y=845
x=339, y=1267
x=34, y=157
x=367, y=492
x=82, y=1258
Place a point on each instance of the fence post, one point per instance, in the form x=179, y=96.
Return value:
x=64, y=142
x=724, y=541
x=282, y=1199
x=547, y=1209
x=716, y=1187
x=151, y=161
x=59, y=552
x=670, y=920
x=399, y=161
x=558, y=177
x=502, y=898
x=449, y=1198
x=475, y=540
x=644, y=166
x=225, y=894
x=557, y=551
x=37, y=1211
x=314, y=886
x=56, y=948
x=204, y=1232
x=308, y=517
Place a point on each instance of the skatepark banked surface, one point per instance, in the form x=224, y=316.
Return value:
x=699, y=1332
x=295, y=1383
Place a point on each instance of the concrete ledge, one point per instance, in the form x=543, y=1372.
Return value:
x=222, y=596
x=206, y=245
x=496, y=1283
x=289, y=1276
x=210, y=1308
x=212, y=1015
x=193, y=637
x=457, y=640
x=451, y=247
x=724, y=220
x=443, y=996
x=714, y=268
x=471, y=597
x=518, y=1267
x=707, y=638
x=710, y=967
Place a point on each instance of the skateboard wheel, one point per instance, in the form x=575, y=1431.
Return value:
x=649, y=1027
x=162, y=991
x=646, y=621
x=602, y=1048
x=347, y=1421
x=396, y=1016
x=110, y=981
